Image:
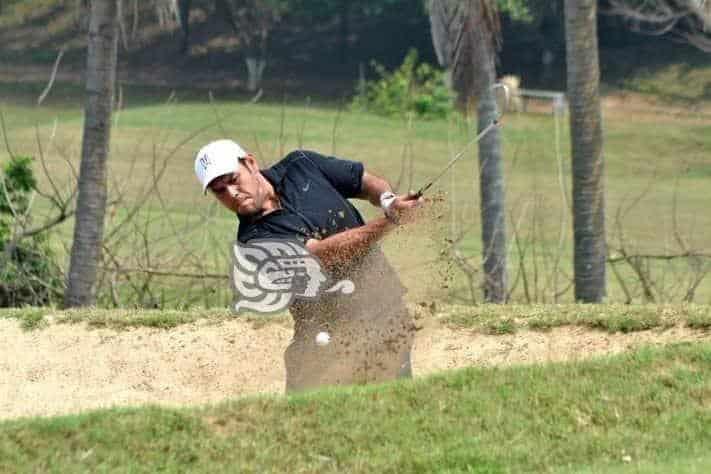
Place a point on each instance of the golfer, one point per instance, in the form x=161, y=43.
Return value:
x=304, y=197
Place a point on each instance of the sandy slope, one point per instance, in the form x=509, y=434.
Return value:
x=67, y=368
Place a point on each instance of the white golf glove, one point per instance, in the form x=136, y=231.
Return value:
x=386, y=201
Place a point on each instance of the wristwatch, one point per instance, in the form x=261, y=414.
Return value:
x=386, y=201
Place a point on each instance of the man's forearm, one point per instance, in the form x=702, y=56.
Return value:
x=342, y=247
x=372, y=187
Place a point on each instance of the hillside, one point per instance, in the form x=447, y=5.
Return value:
x=310, y=61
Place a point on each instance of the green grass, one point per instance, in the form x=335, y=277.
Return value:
x=699, y=321
x=674, y=83
x=646, y=411
x=38, y=318
x=148, y=128
x=506, y=319
x=500, y=326
x=489, y=319
x=29, y=318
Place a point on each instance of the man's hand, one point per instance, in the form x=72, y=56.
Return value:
x=401, y=209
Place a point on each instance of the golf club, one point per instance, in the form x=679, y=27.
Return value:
x=495, y=123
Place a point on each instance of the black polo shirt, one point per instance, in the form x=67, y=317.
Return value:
x=314, y=192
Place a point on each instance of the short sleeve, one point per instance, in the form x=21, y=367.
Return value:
x=344, y=175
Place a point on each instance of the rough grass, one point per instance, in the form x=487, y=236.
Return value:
x=489, y=319
x=646, y=411
x=29, y=318
x=120, y=319
x=677, y=82
x=501, y=319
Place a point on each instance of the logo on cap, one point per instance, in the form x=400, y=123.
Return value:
x=205, y=161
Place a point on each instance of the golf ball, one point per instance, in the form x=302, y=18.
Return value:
x=323, y=338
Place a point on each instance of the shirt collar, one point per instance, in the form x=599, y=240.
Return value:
x=275, y=175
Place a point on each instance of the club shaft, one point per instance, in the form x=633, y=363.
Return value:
x=459, y=155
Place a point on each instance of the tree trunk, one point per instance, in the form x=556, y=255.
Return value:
x=588, y=161
x=491, y=178
x=255, y=69
x=184, y=8
x=91, y=201
x=344, y=14
x=465, y=38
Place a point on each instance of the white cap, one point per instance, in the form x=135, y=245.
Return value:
x=216, y=159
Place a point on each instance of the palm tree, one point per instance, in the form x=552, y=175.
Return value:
x=688, y=20
x=91, y=201
x=466, y=38
x=588, y=160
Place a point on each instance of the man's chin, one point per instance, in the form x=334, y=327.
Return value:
x=247, y=211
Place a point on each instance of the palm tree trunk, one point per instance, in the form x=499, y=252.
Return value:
x=184, y=7
x=91, y=201
x=491, y=173
x=465, y=37
x=492, y=191
x=588, y=161
x=344, y=20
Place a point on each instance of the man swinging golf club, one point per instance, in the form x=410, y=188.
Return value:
x=304, y=198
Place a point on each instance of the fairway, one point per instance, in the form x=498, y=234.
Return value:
x=657, y=167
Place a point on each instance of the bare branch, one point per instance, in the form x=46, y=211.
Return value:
x=218, y=117
x=468, y=269
x=621, y=281
x=6, y=138
x=677, y=234
x=134, y=26
x=52, y=77
x=156, y=179
x=625, y=257
x=151, y=271
x=57, y=195
x=688, y=20
x=282, y=122
x=302, y=125
x=257, y=96
x=334, y=132
x=521, y=260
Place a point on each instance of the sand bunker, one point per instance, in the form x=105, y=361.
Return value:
x=69, y=368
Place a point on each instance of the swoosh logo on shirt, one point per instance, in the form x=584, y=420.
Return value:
x=306, y=187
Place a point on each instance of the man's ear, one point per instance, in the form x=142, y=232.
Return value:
x=251, y=163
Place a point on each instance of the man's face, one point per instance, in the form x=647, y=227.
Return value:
x=242, y=191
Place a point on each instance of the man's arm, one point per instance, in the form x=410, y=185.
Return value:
x=372, y=187
x=342, y=247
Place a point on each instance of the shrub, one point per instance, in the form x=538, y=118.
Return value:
x=28, y=273
x=413, y=89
